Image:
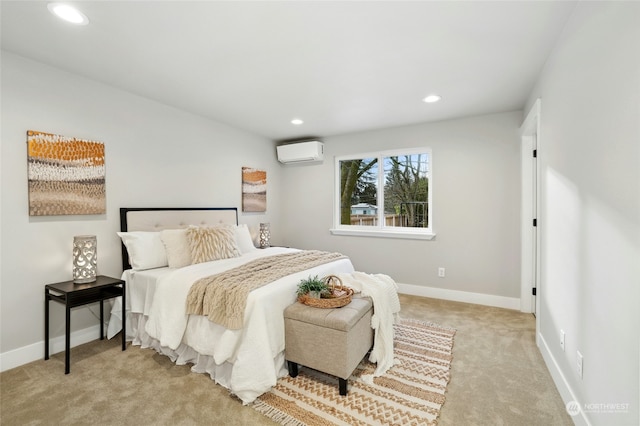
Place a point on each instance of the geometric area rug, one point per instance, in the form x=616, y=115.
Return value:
x=409, y=393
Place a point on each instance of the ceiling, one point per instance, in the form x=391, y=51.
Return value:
x=341, y=66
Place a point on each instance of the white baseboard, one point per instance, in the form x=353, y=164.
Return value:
x=560, y=381
x=35, y=351
x=460, y=296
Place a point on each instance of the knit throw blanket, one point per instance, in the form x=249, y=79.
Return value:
x=223, y=297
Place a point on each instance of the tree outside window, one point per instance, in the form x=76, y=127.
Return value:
x=396, y=195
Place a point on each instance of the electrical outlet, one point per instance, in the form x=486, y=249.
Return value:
x=441, y=272
x=579, y=364
x=562, y=340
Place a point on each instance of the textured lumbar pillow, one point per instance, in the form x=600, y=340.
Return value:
x=207, y=243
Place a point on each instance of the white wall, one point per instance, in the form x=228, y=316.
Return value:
x=476, y=207
x=590, y=210
x=155, y=156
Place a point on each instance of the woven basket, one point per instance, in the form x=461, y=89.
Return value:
x=338, y=297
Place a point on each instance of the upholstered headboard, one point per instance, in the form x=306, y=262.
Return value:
x=158, y=218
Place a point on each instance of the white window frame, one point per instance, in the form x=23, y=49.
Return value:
x=381, y=230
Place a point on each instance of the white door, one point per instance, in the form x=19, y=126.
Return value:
x=534, y=222
x=530, y=222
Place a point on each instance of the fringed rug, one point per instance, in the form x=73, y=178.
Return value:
x=410, y=393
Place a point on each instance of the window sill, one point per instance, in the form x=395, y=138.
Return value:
x=408, y=235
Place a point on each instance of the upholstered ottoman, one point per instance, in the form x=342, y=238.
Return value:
x=333, y=341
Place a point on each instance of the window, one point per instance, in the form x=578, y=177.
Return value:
x=384, y=194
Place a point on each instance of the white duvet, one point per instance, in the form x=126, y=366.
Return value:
x=248, y=361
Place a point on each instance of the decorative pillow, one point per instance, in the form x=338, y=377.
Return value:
x=208, y=243
x=243, y=239
x=176, y=245
x=145, y=249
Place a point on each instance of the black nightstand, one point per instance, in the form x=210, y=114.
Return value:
x=72, y=295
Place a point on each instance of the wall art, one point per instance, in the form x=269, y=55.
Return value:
x=66, y=175
x=254, y=190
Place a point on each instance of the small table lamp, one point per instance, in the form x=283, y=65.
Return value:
x=265, y=234
x=85, y=259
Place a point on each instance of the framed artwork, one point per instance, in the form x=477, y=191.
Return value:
x=254, y=190
x=66, y=175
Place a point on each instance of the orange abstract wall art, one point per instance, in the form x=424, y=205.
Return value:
x=66, y=175
x=254, y=190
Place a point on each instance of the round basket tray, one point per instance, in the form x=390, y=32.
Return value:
x=339, y=295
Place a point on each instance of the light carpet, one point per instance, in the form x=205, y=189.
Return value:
x=410, y=393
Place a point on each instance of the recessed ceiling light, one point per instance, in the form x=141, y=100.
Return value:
x=432, y=98
x=297, y=121
x=68, y=13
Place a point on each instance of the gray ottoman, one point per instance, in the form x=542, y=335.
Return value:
x=333, y=341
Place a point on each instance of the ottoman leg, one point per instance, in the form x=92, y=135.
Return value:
x=293, y=368
x=342, y=383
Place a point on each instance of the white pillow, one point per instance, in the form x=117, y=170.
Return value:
x=177, y=247
x=146, y=250
x=243, y=239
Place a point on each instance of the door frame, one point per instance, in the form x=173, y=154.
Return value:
x=530, y=197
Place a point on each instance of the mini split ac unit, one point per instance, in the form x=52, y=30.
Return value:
x=301, y=152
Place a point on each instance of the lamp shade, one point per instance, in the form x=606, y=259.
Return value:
x=265, y=235
x=85, y=258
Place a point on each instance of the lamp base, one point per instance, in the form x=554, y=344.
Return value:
x=84, y=280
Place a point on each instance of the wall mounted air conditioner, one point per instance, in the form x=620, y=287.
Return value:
x=301, y=152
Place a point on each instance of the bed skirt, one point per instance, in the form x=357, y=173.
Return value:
x=184, y=354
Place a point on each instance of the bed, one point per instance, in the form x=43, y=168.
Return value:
x=246, y=360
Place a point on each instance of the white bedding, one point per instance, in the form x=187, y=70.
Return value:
x=248, y=361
